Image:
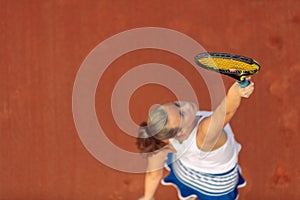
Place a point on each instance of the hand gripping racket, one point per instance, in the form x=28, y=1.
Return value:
x=235, y=66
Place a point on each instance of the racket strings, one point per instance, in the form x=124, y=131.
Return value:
x=227, y=64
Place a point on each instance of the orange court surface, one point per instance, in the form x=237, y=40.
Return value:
x=43, y=46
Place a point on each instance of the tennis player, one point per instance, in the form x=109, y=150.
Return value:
x=197, y=147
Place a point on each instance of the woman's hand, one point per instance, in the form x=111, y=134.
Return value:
x=247, y=91
x=242, y=92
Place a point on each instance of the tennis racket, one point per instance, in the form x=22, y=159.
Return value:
x=235, y=66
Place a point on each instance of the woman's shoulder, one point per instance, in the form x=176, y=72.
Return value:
x=157, y=160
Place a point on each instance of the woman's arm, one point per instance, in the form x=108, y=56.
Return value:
x=152, y=180
x=154, y=173
x=210, y=128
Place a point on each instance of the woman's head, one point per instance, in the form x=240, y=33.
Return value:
x=164, y=122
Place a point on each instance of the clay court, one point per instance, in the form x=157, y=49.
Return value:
x=44, y=44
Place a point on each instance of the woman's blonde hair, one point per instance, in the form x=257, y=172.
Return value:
x=152, y=133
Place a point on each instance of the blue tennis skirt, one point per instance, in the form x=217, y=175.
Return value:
x=202, y=185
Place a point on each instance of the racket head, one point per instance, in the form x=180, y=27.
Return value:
x=235, y=66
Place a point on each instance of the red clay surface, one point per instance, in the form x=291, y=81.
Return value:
x=43, y=44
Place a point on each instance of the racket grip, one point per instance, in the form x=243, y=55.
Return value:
x=244, y=83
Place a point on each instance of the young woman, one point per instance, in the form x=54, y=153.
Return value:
x=199, y=146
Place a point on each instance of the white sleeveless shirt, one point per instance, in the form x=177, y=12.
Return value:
x=217, y=161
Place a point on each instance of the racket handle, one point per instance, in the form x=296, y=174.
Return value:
x=244, y=83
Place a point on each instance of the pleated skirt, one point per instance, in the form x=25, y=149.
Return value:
x=191, y=183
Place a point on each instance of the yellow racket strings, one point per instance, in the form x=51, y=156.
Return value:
x=227, y=64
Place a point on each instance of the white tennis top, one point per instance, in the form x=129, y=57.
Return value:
x=217, y=161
